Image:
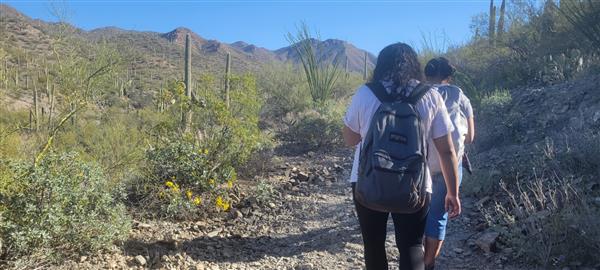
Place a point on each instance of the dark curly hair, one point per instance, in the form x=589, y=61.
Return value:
x=439, y=67
x=399, y=63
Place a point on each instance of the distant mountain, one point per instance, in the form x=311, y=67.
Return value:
x=329, y=50
x=164, y=50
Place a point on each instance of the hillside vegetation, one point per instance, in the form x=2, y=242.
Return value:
x=103, y=132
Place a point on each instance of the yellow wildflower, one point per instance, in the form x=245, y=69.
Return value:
x=189, y=194
x=206, y=151
x=229, y=184
x=211, y=182
x=170, y=184
x=225, y=206
x=222, y=204
x=161, y=195
x=197, y=201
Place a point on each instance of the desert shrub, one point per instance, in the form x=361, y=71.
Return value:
x=548, y=221
x=64, y=205
x=112, y=138
x=482, y=181
x=312, y=130
x=496, y=100
x=184, y=171
x=179, y=173
x=284, y=89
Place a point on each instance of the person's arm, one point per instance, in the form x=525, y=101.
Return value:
x=471, y=131
x=468, y=111
x=351, y=138
x=449, y=165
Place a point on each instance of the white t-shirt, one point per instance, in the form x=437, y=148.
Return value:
x=434, y=119
x=453, y=98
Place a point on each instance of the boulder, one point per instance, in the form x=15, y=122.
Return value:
x=487, y=241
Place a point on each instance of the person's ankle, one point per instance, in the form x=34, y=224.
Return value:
x=429, y=267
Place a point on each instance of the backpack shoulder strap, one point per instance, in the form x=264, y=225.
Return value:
x=418, y=93
x=379, y=91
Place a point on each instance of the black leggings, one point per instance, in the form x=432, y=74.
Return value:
x=409, y=229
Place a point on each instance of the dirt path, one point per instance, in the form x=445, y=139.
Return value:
x=311, y=224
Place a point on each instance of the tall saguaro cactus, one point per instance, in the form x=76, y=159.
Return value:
x=346, y=65
x=186, y=114
x=227, y=78
x=492, y=26
x=35, y=106
x=188, y=67
x=500, y=30
x=365, y=71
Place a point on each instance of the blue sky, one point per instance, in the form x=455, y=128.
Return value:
x=369, y=25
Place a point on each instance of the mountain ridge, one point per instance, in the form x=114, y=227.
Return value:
x=249, y=54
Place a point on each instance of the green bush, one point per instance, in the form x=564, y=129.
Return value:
x=64, y=205
x=284, y=89
x=181, y=175
x=183, y=171
x=312, y=130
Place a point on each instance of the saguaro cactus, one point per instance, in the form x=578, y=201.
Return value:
x=51, y=98
x=186, y=115
x=492, y=26
x=500, y=30
x=188, y=67
x=365, y=71
x=227, y=78
x=346, y=68
x=35, y=106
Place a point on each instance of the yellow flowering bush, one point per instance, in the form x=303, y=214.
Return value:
x=184, y=169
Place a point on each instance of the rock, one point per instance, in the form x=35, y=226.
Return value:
x=141, y=225
x=215, y=232
x=596, y=200
x=487, y=241
x=235, y=214
x=458, y=250
x=302, y=176
x=139, y=259
x=83, y=258
x=304, y=266
x=596, y=117
x=199, y=266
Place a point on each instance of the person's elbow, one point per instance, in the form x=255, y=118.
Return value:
x=444, y=146
x=351, y=138
x=471, y=131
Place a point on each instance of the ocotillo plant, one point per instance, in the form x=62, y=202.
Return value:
x=320, y=76
x=500, y=30
x=492, y=26
x=227, y=77
x=365, y=71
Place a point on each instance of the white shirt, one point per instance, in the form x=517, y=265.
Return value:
x=453, y=96
x=431, y=107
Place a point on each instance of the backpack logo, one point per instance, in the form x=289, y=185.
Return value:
x=392, y=164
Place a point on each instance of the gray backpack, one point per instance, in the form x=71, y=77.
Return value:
x=393, y=157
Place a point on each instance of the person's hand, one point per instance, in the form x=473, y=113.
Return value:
x=452, y=204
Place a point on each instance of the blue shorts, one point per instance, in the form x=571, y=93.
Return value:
x=437, y=218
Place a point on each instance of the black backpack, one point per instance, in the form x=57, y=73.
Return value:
x=393, y=157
